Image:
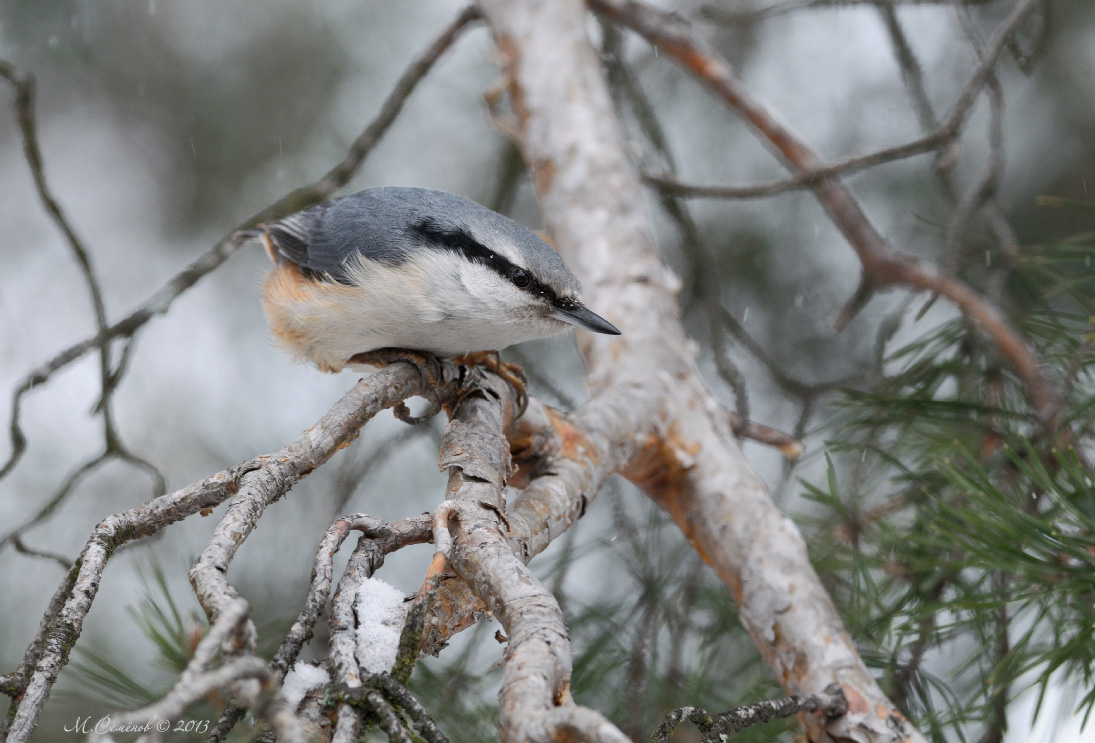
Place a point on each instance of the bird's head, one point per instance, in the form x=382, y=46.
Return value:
x=510, y=270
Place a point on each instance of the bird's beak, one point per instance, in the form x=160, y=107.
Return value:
x=580, y=317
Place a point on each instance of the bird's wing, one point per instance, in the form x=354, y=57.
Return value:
x=291, y=240
x=325, y=239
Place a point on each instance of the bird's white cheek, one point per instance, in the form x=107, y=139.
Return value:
x=484, y=292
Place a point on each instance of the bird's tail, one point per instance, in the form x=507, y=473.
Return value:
x=259, y=235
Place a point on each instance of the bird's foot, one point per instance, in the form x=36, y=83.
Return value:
x=427, y=365
x=512, y=374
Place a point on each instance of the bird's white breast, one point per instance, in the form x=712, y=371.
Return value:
x=437, y=302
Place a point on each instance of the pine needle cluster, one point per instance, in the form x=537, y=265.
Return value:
x=958, y=534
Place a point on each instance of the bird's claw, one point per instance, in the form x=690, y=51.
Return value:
x=512, y=374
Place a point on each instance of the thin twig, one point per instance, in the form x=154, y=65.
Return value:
x=56, y=499
x=703, y=286
x=983, y=194
x=23, y=549
x=735, y=17
x=401, y=696
x=369, y=699
x=788, y=445
x=714, y=726
x=805, y=179
x=24, y=106
x=108, y=378
x=197, y=680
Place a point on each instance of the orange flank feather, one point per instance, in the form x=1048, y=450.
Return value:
x=296, y=306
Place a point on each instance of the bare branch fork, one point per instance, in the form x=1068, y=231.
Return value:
x=882, y=265
x=109, y=377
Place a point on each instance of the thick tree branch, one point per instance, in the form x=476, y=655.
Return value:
x=534, y=701
x=650, y=416
x=559, y=472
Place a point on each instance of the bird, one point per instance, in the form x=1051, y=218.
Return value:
x=413, y=269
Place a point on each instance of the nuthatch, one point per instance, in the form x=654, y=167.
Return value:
x=413, y=269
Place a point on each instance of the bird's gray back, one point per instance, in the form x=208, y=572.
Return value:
x=390, y=223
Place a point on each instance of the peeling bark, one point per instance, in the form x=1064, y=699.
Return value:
x=534, y=701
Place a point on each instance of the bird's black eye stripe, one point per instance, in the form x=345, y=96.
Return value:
x=462, y=242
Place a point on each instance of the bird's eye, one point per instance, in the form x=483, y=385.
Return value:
x=520, y=277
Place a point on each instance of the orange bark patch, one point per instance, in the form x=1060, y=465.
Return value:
x=573, y=444
x=857, y=704
x=544, y=175
x=533, y=450
x=661, y=469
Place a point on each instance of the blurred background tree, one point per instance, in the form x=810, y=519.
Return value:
x=953, y=530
